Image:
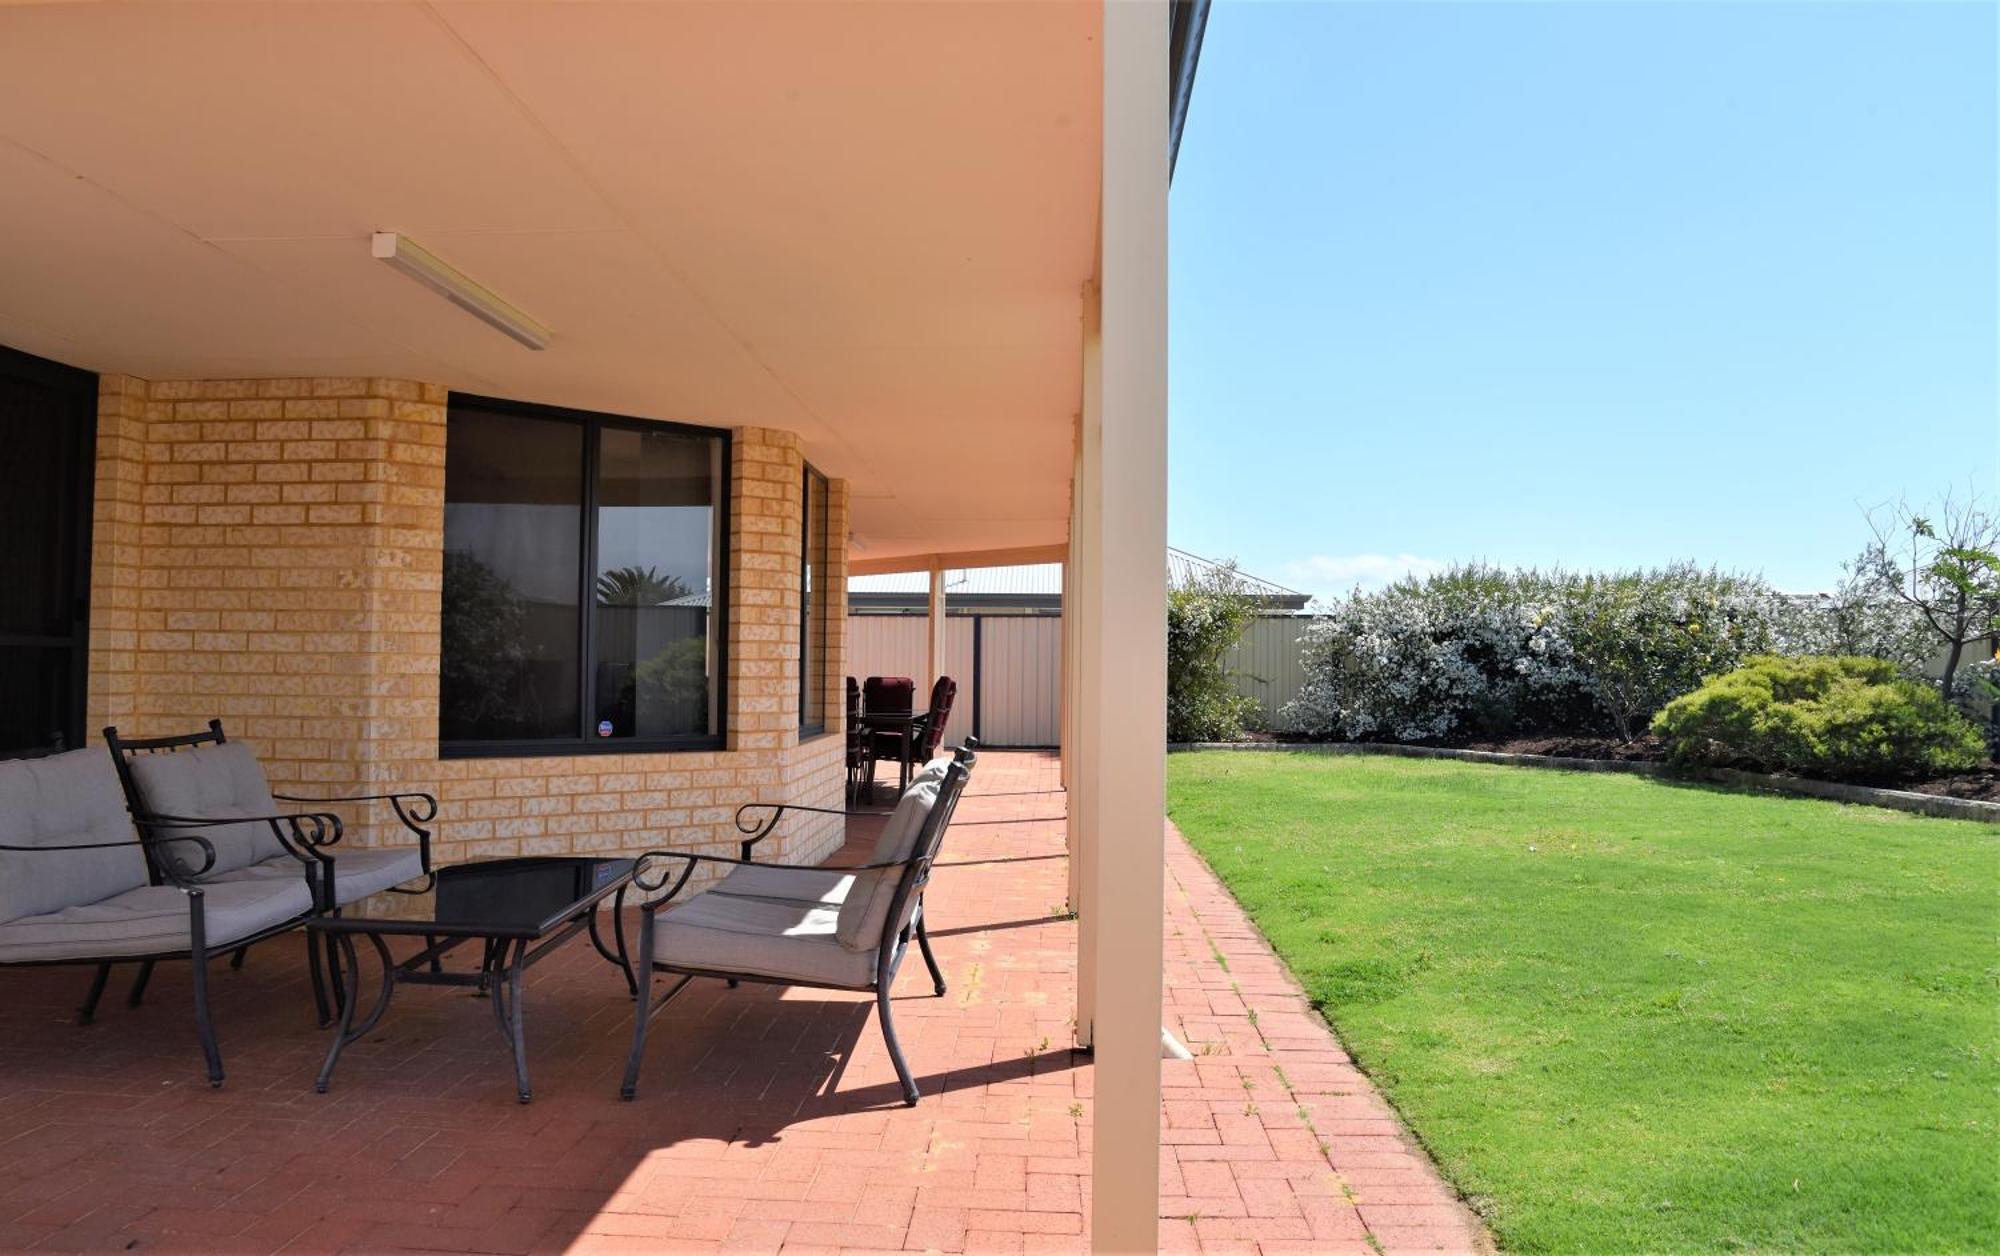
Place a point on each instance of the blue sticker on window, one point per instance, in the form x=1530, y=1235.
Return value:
x=604, y=728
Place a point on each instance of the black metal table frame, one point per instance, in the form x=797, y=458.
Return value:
x=508, y=954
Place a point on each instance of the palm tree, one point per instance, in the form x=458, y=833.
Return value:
x=638, y=586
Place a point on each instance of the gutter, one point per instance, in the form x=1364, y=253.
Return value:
x=1188, y=20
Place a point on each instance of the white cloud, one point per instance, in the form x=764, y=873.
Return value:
x=1332, y=575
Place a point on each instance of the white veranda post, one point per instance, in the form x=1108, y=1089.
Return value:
x=1121, y=542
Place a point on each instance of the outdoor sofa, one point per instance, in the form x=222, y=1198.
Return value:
x=175, y=848
x=784, y=924
x=79, y=885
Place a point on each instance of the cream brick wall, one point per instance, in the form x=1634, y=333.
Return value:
x=269, y=552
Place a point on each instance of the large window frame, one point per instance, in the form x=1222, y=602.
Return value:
x=591, y=423
x=814, y=546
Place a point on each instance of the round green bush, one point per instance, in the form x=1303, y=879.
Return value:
x=1837, y=718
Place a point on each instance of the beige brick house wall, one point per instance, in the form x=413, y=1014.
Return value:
x=270, y=552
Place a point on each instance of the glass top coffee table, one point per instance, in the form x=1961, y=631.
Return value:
x=521, y=910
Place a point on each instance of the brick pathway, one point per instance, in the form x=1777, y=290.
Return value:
x=766, y=1118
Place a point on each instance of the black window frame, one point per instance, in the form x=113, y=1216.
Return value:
x=591, y=422
x=80, y=481
x=808, y=502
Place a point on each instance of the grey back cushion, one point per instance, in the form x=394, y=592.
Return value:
x=64, y=800
x=866, y=908
x=212, y=783
x=899, y=833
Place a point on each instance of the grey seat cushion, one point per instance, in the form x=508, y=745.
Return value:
x=358, y=872
x=213, y=783
x=788, y=941
x=787, y=883
x=64, y=799
x=153, y=919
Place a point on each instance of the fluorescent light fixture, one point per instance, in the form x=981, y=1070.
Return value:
x=449, y=282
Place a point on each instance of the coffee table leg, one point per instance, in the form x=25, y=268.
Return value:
x=505, y=982
x=342, y=947
x=644, y=1011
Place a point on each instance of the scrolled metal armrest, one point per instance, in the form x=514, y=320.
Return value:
x=207, y=848
x=777, y=809
x=757, y=832
x=641, y=871
x=312, y=829
x=413, y=807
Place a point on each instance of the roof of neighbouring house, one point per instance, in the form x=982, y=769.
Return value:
x=1037, y=587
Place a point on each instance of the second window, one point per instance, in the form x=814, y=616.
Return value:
x=583, y=582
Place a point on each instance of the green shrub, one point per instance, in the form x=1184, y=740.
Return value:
x=1837, y=718
x=1205, y=620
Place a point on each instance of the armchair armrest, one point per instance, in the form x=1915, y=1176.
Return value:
x=207, y=848
x=303, y=835
x=759, y=831
x=413, y=808
x=650, y=880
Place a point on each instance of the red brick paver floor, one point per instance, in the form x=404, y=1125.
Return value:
x=767, y=1119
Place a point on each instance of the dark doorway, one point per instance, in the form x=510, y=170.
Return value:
x=48, y=442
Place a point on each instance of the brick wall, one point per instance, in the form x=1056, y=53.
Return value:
x=269, y=552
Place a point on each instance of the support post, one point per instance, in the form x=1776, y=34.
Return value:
x=1125, y=647
x=937, y=645
x=1086, y=539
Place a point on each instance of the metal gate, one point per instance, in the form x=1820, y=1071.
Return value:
x=1008, y=669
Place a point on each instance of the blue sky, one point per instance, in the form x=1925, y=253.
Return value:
x=1591, y=284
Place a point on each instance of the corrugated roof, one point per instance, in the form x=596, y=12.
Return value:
x=1038, y=580
x=1184, y=568
x=1045, y=580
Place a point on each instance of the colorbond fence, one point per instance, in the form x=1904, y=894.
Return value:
x=1009, y=668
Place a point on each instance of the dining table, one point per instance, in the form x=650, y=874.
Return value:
x=903, y=725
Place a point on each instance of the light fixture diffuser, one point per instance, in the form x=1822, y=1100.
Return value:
x=441, y=277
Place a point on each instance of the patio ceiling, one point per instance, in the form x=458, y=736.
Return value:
x=867, y=223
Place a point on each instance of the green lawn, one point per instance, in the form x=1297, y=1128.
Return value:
x=1632, y=1015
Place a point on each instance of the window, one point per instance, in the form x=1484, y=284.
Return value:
x=48, y=426
x=814, y=622
x=584, y=582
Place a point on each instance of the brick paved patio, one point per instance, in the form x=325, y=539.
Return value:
x=766, y=1119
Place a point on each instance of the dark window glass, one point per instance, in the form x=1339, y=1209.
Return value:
x=513, y=536
x=814, y=625
x=40, y=684
x=583, y=567
x=48, y=435
x=656, y=550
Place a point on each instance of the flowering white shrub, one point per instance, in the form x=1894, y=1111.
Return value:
x=1469, y=649
x=1861, y=618
x=1644, y=638
x=1475, y=651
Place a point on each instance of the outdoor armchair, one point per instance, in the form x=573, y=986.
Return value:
x=79, y=885
x=832, y=928
x=931, y=733
x=205, y=780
